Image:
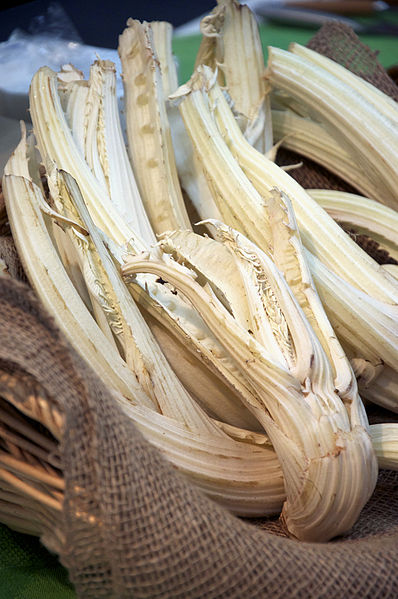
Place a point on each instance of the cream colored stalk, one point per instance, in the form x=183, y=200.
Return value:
x=243, y=477
x=307, y=430
x=235, y=49
x=289, y=256
x=247, y=208
x=140, y=350
x=148, y=130
x=365, y=130
x=106, y=152
x=381, y=390
x=324, y=237
x=385, y=443
x=223, y=175
x=366, y=327
x=311, y=139
x=192, y=177
x=162, y=39
x=56, y=144
x=93, y=128
x=260, y=463
x=386, y=105
x=50, y=281
x=320, y=234
x=178, y=327
x=363, y=215
x=190, y=174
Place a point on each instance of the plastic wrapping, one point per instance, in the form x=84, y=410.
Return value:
x=51, y=40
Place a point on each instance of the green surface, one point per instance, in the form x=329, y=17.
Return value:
x=27, y=570
x=272, y=35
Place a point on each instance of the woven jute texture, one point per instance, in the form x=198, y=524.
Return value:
x=134, y=528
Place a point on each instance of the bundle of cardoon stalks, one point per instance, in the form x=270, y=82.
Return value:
x=234, y=346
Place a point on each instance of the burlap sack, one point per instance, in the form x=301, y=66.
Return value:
x=131, y=527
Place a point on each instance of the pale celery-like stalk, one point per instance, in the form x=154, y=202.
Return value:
x=148, y=130
x=289, y=256
x=162, y=39
x=312, y=139
x=56, y=144
x=379, y=99
x=112, y=154
x=288, y=414
x=140, y=350
x=319, y=233
x=365, y=130
x=234, y=47
x=365, y=326
x=202, y=105
x=247, y=208
x=243, y=477
x=191, y=177
x=385, y=442
x=93, y=116
x=50, y=281
x=262, y=463
x=363, y=214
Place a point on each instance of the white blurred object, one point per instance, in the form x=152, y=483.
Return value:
x=23, y=54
